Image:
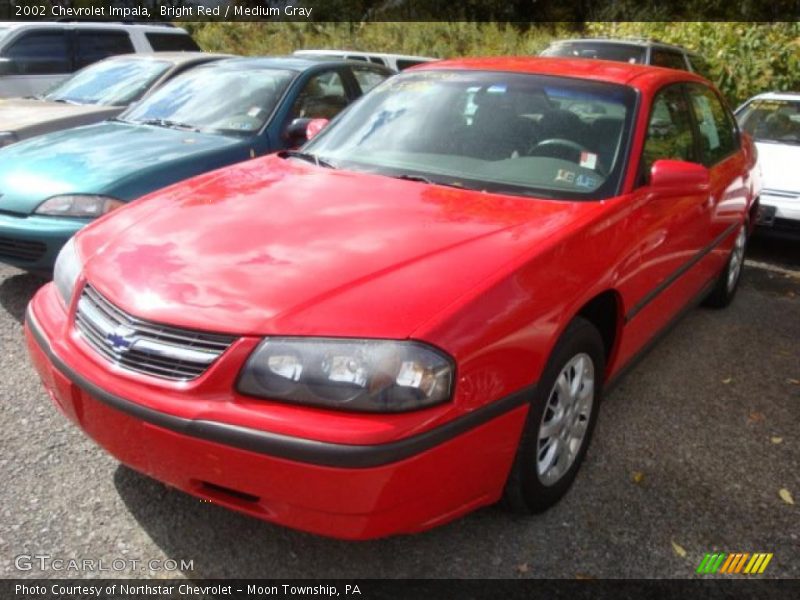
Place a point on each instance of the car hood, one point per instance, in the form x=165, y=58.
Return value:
x=275, y=246
x=21, y=114
x=100, y=159
x=779, y=166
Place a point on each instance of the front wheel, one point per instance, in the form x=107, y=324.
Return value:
x=728, y=280
x=560, y=421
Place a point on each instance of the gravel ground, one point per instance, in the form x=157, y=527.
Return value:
x=689, y=455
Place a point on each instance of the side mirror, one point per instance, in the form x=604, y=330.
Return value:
x=300, y=131
x=679, y=176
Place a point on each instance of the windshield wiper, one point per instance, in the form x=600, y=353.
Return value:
x=168, y=123
x=308, y=157
x=423, y=179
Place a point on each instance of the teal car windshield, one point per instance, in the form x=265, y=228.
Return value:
x=217, y=99
x=110, y=83
x=528, y=135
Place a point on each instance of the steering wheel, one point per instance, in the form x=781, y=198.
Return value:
x=562, y=148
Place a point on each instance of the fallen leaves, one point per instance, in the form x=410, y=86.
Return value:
x=755, y=417
x=727, y=380
x=678, y=549
x=793, y=381
x=776, y=439
x=786, y=496
x=523, y=568
x=637, y=477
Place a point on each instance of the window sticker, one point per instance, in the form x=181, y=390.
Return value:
x=566, y=176
x=588, y=160
x=587, y=181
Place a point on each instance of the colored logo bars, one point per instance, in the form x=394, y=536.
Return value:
x=723, y=563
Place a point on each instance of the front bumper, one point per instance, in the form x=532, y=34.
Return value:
x=32, y=242
x=338, y=490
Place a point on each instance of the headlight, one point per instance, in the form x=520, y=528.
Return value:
x=359, y=375
x=65, y=273
x=7, y=138
x=78, y=205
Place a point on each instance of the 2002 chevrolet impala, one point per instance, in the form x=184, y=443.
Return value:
x=416, y=315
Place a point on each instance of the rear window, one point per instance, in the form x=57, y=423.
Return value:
x=619, y=52
x=97, y=45
x=172, y=42
x=3, y=33
x=405, y=63
x=667, y=59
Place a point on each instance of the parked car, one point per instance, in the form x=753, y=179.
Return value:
x=633, y=51
x=396, y=62
x=98, y=92
x=773, y=120
x=214, y=115
x=417, y=314
x=36, y=55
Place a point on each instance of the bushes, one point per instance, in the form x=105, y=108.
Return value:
x=745, y=58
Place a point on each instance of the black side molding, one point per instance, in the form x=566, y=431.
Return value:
x=651, y=295
x=288, y=447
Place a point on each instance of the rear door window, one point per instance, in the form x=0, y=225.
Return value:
x=171, y=42
x=41, y=53
x=718, y=131
x=97, y=45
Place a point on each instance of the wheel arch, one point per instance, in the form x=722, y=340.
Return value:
x=606, y=312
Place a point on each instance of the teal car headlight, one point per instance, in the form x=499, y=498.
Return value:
x=66, y=271
x=358, y=375
x=7, y=138
x=78, y=205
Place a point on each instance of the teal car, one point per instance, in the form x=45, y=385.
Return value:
x=212, y=116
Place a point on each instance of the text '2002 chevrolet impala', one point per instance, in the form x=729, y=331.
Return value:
x=416, y=315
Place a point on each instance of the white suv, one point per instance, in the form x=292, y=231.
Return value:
x=396, y=62
x=34, y=56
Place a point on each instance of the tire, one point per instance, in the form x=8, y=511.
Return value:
x=531, y=486
x=728, y=281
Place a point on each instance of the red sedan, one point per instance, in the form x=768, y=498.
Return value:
x=415, y=315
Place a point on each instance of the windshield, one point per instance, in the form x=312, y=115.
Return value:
x=772, y=121
x=215, y=98
x=534, y=135
x=115, y=82
x=605, y=51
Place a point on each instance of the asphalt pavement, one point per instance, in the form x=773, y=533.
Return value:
x=691, y=454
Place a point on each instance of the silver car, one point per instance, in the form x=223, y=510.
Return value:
x=98, y=92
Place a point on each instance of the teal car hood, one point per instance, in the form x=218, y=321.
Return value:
x=117, y=159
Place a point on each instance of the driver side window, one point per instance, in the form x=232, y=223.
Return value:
x=669, y=132
x=322, y=97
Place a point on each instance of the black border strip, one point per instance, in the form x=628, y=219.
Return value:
x=288, y=447
x=651, y=295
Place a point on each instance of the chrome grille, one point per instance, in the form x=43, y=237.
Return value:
x=144, y=346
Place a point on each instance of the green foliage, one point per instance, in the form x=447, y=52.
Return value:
x=439, y=39
x=745, y=58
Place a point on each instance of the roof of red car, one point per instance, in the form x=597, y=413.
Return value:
x=599, y=70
